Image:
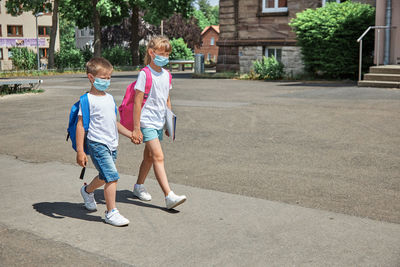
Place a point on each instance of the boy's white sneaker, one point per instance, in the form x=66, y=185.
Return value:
x=115, y=218
x=173, y=200
x=140, y=191
x=90, y=203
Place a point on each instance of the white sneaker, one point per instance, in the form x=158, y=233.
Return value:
x=173, y=200
x=140, y=191
x=90, y=203
x=115, y=218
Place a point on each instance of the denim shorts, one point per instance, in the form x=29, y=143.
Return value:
x=150, y=134
x=104, y=160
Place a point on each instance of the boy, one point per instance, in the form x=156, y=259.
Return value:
x=102, y=140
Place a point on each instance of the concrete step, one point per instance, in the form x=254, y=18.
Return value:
x=388, y=69
x=382, y=77
x=382, y=84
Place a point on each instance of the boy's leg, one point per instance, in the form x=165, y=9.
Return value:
x=154, y=147
x=145, y=166
x=94, y=184
x=110, y=191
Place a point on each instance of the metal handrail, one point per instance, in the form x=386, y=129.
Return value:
x=359, y=40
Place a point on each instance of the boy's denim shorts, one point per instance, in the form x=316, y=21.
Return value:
x=150, y=134
x=104, y=160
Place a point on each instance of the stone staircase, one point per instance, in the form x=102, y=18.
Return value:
x=382, y=76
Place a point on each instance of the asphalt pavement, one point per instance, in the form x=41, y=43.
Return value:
x=276, y=174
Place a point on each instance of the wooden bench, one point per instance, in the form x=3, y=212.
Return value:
x=181, y=63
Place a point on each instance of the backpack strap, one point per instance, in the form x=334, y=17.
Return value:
x=84, y=101
x=170, y=78
x=148, y=85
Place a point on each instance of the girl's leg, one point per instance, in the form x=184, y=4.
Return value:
x=145, y=166
x=110, y=191
x=154, y=147
x=94, y=184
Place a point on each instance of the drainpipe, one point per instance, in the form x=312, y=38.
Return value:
x=387, y=31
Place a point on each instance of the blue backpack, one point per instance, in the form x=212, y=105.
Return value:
x=73, y=120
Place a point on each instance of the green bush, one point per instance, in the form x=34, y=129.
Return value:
x=327, y=37
x=87, y=54
x=268, y=68
x=69, y=58
x=23, y=58
x=118, y=55
x=180, y=50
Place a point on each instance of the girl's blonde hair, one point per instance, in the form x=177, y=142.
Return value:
x=157, y=43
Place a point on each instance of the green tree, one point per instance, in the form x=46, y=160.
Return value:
x=206, y=14
x=154, y=11
x=327, y=37
x=23, y=59
x=180, y=50
x=95, y=13
x=16, y=7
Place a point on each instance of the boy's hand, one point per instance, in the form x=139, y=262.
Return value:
x=137, y=137
x=81, y=158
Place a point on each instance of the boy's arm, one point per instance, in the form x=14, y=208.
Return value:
x=122, y=130
x=137, y=135
x=81, y=157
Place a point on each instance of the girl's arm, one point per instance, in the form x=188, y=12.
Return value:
x=137, y=135
x=81, y=157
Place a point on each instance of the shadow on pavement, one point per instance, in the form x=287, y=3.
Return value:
x=126, y=196
x=60, y=210
x=320, y=84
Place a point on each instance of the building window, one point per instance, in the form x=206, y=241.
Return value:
x=324, y=2
x=9, y=53
x=273, y=51
x=44, y=30
x=0, y=31
x=212, y=41
x=43, y=52
x=14, y=30
x=1, y=53
x=273, y=6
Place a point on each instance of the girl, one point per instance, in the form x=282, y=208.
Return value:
x=149, y=120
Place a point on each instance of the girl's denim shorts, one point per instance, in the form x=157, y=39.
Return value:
x=104, y=160
x=150, y=134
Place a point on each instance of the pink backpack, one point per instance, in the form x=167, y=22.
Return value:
x=126, y=108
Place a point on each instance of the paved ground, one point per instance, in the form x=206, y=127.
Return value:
x=277, y=174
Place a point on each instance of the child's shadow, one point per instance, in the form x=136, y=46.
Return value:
x=126, y=196
x=60, y=210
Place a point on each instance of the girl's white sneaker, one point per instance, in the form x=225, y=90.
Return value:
x=115, y=218
x=140, y=191
x=172, y=200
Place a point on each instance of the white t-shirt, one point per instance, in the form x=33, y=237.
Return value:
x=154, y=110
x=103, y=120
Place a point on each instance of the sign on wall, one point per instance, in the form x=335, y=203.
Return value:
x=21, y=42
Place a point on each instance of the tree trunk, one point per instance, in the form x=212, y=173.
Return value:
x=97, y=30
x=53, y=35
x=135, y=35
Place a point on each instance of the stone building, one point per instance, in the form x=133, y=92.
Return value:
x=20, y=31
x=250, y=29
x=209, y=48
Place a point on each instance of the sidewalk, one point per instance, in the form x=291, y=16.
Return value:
x=42, y=204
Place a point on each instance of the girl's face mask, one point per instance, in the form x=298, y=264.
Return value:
x=101, y=84
x=160, y=60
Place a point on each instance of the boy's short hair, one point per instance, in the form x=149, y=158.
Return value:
x=94, y=65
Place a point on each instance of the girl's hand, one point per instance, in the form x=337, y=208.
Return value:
x=166, y=133
x=137, y=136
x=81, y=158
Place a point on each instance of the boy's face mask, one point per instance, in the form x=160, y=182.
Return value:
x=101, y=84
